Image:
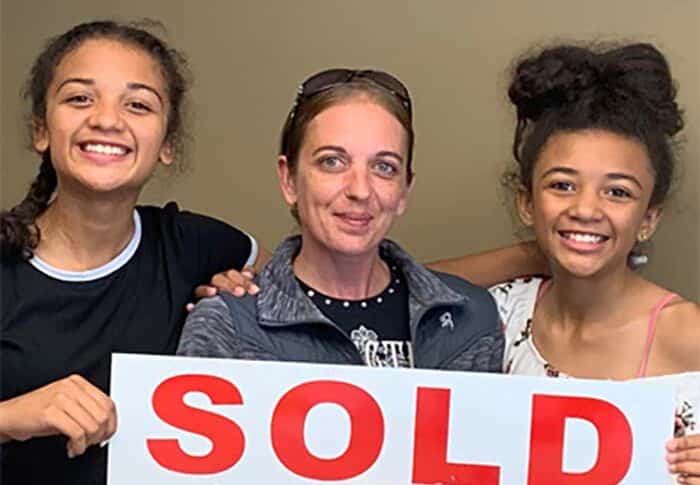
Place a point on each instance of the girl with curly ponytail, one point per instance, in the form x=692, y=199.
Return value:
x=594, y=146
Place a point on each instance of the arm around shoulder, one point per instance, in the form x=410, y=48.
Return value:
x=495, y=266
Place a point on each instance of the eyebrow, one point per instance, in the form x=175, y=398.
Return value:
x=336, y=148
x=137, y=86
x=79, y=80
x=566, y=170
x=91, y=82
x=624, y=176
x=612, y=176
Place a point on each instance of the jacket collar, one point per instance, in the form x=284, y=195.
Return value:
x=282, y=302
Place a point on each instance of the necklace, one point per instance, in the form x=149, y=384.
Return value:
x=322, y=300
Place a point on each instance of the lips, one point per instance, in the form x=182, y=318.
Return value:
x=354, y=219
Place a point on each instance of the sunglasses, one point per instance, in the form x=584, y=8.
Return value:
x=331, y=78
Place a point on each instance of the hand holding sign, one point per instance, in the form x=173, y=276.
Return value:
x=684, y=458
x=70, y=406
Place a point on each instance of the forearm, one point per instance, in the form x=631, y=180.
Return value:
x=4, y=421
x=491, y=267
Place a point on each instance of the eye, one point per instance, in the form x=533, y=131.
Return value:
x=139, y=107
x=78, y=100
x=386, y=169
x=562, y=186
x=619, y=193
x=332, y=163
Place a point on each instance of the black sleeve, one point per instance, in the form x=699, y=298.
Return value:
x=208, y=246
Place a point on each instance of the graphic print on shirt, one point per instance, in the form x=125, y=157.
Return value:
x=381, y=353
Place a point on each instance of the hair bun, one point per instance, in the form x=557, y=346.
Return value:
x=560, y=76
x=551, y=79
x=643, y=72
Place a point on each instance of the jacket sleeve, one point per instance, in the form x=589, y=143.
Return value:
x=209, y=331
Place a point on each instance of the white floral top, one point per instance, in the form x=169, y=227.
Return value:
x=516, y=302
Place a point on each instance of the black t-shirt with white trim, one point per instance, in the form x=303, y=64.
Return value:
x=56, y=323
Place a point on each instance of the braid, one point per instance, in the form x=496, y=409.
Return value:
x=19, y=234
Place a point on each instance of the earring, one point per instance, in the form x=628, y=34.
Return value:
x=637, y=258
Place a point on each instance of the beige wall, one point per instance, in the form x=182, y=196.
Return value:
x=249, y=56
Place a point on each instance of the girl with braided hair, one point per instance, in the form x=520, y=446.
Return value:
x=85, y=271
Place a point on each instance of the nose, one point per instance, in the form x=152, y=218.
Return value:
x=586, y=206
x=106, y=116
x=359, y=185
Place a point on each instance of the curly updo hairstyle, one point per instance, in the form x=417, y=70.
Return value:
x=19, y=234
x=626, y=90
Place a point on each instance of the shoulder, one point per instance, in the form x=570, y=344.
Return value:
x=476, y=295
x=210, y=330
x=460, y=285
x=678, y=330
x=517, y=289
x=171, y=214
x=516, y=299
x=210, y=245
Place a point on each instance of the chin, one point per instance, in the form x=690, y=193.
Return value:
x=353, y=247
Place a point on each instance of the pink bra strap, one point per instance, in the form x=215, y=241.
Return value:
x=544, y=286
x=651, y=330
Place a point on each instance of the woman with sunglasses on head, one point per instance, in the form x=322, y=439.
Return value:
x=340, y=292
x=85, y=271
x=594, y=151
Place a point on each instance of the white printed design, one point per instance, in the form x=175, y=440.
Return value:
x=381, y=353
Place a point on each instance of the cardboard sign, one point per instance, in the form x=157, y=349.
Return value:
x=219, y=421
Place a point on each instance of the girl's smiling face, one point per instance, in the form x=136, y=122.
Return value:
x=106, y=118
x=589, y=202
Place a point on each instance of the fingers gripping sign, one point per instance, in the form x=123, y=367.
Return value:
x=70, y=406
x=683, y=457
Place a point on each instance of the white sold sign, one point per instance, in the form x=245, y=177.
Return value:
x=217, y=421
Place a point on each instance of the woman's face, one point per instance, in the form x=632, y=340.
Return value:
x=589, y=202
x=106, y=118
x=350, y=181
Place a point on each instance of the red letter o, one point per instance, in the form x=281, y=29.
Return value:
x=287, y=430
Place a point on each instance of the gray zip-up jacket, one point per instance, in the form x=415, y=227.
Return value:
x=453, y=324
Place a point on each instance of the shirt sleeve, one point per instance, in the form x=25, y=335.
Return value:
x=515, y=300
x=208, y=246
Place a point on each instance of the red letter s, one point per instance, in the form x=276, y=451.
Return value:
x=227, y=438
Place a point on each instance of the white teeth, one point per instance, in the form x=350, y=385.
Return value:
x=104, y=149
x=584, y=238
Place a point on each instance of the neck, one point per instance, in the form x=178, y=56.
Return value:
x=587, y=301
x=78, y=233
x=351, y=277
